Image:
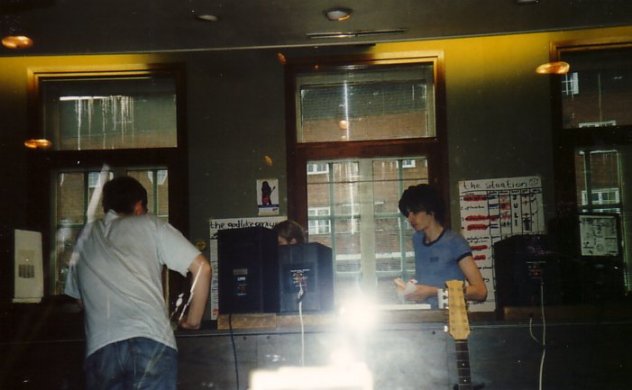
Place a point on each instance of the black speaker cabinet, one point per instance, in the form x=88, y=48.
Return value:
x=308, y=267
x=525, y=265
x=248, y=268
x=602, y=279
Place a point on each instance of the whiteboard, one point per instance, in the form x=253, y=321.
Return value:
x=494, y=209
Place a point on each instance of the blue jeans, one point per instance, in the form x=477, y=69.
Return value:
x=136, y=363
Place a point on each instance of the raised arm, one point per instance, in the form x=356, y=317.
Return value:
x=193, y=318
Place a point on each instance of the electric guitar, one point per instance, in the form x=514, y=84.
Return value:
x=459, y=329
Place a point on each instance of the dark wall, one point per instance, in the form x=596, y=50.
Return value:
x=498, y=120
x=236, y=116
x=13, y=173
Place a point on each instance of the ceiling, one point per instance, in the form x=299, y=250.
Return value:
x=125, y=26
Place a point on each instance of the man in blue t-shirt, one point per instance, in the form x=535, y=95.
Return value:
x=440, y=253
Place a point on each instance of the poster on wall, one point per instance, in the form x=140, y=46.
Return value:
x=216, y=225
x=599, y=235
x=268, y=197
x=494, y=209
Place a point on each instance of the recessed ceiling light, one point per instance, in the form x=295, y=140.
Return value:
x=338, y=14
x=354, y=34
x=207, y=17
x=17, y=42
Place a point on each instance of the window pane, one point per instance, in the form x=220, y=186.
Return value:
x=369, y=104
x=71, y=197
x=598, y=91
x=109, y=113
x=604, y=167
x=156, y=182
x=580, y=178
x=74, y=191
x=70, y=216
x=354, y=210
x=598, y=180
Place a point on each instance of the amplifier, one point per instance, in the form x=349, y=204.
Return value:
x=247, y=274
x=305, y=272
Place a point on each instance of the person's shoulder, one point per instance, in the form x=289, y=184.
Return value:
x=148, y=221
x=454, y=236
x=418, y=235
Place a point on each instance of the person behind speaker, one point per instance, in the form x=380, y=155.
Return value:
x=117, y=276
x=440, y=253
x=289, y=232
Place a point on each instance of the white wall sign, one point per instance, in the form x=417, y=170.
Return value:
x=493, y=209
x=29, y=270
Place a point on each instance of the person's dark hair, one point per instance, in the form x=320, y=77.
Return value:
x=290, y=230
x=422, y=197
x=122, y=193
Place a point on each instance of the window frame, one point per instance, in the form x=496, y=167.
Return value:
x=567, y=140
x=42, y=163
x=433, y=149
x=298, y=154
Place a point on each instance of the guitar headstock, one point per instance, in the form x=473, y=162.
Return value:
x=458, y=324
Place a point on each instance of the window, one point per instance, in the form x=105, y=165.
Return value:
x=363, y=133
x=599, y=91
x=598, y=179
x=125, y=119
x=74, y=191
x=96, y=113
x=319, y=222
x=366, y=104
x=593, y=134
x=317, y=168
x=570, y=84
x=371, y=239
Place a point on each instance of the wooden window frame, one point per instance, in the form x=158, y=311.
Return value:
x=298, y=154
x=565, y=141
x=42, y=163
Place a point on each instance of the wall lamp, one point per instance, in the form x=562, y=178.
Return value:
x=17, y=42
x=38, y=143
x=13, y=34
x=557, y=67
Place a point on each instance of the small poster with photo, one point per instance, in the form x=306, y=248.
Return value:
x=268, y=196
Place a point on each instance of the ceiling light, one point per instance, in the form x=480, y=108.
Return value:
x=17, y=42
x=353, y=34
x=207, y=17
x=558, y=67
x=338, y=14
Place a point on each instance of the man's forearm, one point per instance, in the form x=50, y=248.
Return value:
x=202, y=271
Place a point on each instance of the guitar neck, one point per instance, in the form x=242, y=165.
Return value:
x=463, y=365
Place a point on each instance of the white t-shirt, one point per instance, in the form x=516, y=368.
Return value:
x=117, y=275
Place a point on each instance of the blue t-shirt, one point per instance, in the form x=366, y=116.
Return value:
x=438, y=261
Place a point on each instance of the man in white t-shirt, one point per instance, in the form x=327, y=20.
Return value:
x=116, y=275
